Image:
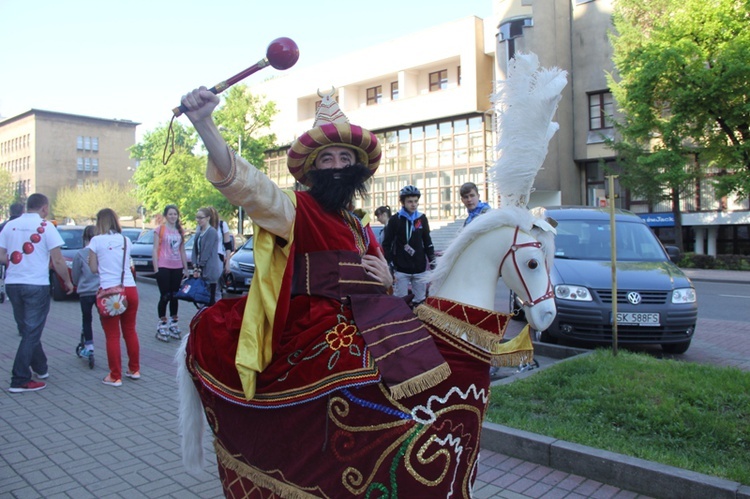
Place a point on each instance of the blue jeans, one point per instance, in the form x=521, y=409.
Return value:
x=30, y=309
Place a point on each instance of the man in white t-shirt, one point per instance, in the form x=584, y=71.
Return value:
x=26, y=246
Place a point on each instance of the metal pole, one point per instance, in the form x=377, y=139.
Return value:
x=613, y=246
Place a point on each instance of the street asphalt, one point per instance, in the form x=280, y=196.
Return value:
x=79, y=438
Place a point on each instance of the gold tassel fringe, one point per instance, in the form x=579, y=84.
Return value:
x=514, y=352
x=420, y=383
x=458, y=328
x=258, y=477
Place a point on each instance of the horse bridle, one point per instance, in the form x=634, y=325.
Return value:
x=515, y=246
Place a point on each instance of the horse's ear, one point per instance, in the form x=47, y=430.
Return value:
x=545, y=225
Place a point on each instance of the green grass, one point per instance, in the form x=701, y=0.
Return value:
x=692, y=416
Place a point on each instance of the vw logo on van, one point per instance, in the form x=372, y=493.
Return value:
x=634, y=297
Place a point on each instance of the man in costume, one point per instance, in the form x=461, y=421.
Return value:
x=320, y=383
x=319, y=320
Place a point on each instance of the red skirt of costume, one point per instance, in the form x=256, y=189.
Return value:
x=355, y=441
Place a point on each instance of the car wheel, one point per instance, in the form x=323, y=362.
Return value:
x=516, y=312
x=676, y=347
x=56, y=289
x=230, y=284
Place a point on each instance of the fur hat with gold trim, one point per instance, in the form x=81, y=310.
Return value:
x=331, y=128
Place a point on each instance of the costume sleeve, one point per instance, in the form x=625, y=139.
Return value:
x=429, y=249
x=261, y=199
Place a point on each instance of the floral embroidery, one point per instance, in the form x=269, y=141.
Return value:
x=341, y=336
x=114, y=304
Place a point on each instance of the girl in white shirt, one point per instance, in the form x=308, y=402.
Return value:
x=107, y=259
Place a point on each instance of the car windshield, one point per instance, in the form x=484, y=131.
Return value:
x=248, y=244
x=590, y=240
x=72, y=239
x=131, y=234
x=146, y=238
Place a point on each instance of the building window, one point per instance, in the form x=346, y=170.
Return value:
x=374, y=95
x=94, y=143
x=95, y=165
x=394, y=90
x=439, y=80
x=87, y=164
x=79, y=167
x=87, y=143
x=601, y=108
x=511, y=30
x=79, y=143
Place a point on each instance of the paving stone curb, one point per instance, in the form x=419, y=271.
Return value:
x=625, y=472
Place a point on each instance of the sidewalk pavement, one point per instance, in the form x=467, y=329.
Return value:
x=80, y=438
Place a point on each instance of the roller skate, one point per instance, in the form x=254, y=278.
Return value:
x=162, y=331
x=174, y=329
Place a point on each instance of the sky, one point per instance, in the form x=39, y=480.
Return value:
x=134, y=59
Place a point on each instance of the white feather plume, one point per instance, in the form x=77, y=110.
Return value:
x=525, y=104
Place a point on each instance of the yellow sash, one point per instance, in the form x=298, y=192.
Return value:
x=255, y=346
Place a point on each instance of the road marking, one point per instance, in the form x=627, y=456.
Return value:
x=735, y=296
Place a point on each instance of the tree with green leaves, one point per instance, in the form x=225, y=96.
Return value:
x=82, y=204
x=7, y=191
x=242, y=120
x=682, y=88
x=182, y=180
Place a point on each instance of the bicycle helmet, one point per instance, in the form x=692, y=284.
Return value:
x=409, y=190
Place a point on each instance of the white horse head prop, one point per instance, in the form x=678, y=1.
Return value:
x=509, y=243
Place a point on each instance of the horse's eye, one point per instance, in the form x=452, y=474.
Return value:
x=533, y=264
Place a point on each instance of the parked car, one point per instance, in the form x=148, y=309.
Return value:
x=141, y=252
x=656, y=302
x=241, y=268
x=132, y=233
x=72, y=236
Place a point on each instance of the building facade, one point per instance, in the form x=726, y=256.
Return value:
x=574, y=35
x=430, y=108
x=45, y=151
x=427, y=98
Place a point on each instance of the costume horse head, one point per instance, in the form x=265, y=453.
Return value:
x=511, y=244
x=391, y=424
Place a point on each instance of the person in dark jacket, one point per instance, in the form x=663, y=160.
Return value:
x=16, y=210
x=408, y=246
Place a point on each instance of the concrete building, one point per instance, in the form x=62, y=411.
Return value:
x=573, y=35
x=45, y=151
x=427, y=97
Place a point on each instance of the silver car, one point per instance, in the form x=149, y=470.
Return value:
x=656, y=302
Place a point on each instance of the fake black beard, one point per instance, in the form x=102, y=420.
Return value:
x=335, y=189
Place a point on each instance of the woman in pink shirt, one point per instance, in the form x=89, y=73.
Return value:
x=170, y=265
